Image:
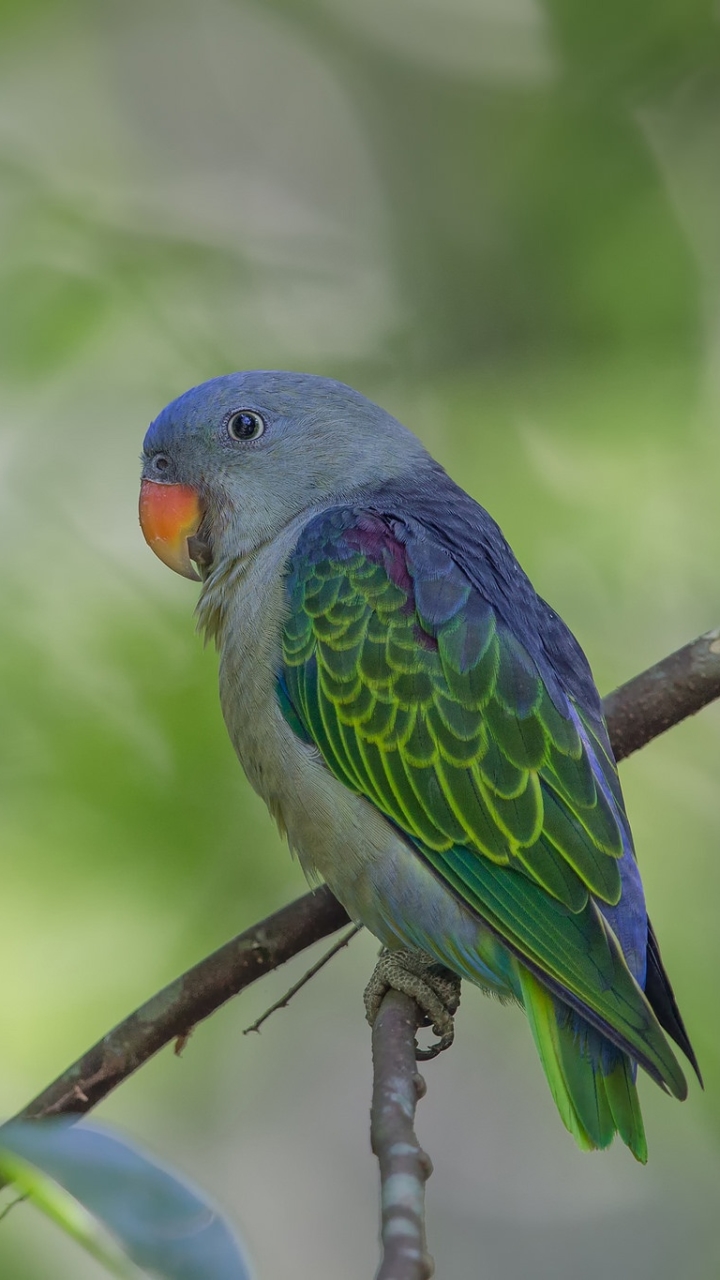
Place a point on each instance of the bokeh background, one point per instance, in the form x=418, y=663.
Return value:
x=499, y=218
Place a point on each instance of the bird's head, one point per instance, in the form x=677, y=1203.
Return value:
x=228, y=464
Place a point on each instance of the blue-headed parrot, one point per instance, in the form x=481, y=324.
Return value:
x=420, y=723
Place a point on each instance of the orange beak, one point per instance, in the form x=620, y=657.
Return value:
x=169, y=515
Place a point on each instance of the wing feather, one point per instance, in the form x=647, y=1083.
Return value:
x=420, y=696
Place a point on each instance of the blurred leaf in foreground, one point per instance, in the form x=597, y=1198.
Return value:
x=128, y=1211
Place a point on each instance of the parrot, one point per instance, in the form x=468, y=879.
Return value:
x=421, y=724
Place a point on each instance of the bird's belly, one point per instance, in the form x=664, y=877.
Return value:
x=341, y=838
x=382, y=880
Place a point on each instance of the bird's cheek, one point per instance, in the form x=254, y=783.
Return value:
x=169, y=515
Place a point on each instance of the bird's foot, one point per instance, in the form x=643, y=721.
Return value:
x=435, y=989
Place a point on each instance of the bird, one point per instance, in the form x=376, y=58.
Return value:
x=421, y=724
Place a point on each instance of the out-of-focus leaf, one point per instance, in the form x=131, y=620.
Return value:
x=126, y=1209
x=67, y=1213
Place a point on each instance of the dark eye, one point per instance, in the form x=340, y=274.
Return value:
x=245, y=425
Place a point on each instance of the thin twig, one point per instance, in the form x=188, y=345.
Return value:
x=640, y=710
x=298, y=986
x=404, y=1166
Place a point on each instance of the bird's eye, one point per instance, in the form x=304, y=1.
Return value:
x=245, y=425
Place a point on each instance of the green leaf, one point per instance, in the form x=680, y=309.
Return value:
x=131, y=1213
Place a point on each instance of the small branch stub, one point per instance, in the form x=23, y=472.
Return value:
x=404, y=1166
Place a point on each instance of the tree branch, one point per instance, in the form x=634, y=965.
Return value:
x=638, y=711
x=675, y=688
x=404, y=1166
x=174, y=1011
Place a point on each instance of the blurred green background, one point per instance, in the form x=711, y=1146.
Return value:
x=500, y=219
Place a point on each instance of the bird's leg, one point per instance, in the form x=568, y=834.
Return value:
x=435, y=989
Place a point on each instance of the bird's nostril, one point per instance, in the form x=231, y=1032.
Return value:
x=160, y=462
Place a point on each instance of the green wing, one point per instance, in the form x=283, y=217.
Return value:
x=420, y=698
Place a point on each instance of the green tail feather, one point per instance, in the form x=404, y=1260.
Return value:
x=624, y=1103
x=593, y=1107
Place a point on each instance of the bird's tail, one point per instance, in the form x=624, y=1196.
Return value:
x=595, y=1092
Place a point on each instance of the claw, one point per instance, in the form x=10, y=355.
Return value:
x=435, y=989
